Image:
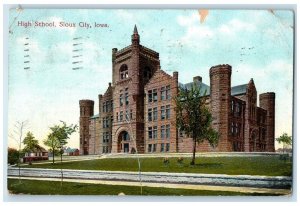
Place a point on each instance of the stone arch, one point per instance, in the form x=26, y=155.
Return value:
x=124, y=71
x=123, y=140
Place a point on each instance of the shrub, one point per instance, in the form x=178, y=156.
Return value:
x=166, y=161
x=13, y=156
x=180, y=160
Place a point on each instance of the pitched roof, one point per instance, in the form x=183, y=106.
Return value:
x=199, y=84
x=236, y=90
x=240, y=89
x=95, y=116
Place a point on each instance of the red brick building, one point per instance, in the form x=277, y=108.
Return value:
x=137, y=109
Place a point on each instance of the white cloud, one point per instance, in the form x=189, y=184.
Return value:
x=188, y=20
x=234, y=26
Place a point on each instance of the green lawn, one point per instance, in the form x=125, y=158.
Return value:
x=258, y=165
x=36, y=187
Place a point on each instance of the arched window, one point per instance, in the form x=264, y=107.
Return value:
x=124, y=71
x=147, y=73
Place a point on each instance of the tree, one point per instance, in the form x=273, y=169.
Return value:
x=54, y=145
x=13, y=156
x=19, y=128
x=194, y=118
x=285, y=139
x=59, y=136
x=30, y=143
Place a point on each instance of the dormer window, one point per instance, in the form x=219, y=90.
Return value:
x=124, y=71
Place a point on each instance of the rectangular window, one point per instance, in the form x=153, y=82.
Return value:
x=131, y=114
x=121, y=116
x=154, y=95
x=162, y=132
x=107, y=121
x=149, y=147
x=149, y=115
x=167, y=147
x=107, y=107
x=168, y=131
x=232, y=128
x=154, y=148
x=163, y=112
x=150, y=132
x=103, y=122
x=111, y=120
x=154, y=113
x=168, y=112
x=126, y=96
x=104, y=137
x=163, y=93
x=117, y=117
x=150, y=96
x=162, y=147
x=127, y=115
x=168, y=92
x=121, y=99
x=104, y=107
x=112, y=105
x=155, y=132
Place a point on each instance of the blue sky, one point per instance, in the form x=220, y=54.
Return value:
x=257, y=44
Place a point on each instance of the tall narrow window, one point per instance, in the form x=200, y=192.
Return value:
x=154, y=132
x=154, y=148
x=104, y=107
x=162, y=132
x=150, y=132
x=162, y=147
x=121, y=116
x=168, y=131
x=121, y=98
x=168, y=111
x=163, y=112
x=167, y=147
x=154, y=95
x=150, y=115
x=168, y=92
x=126, y=97
x=150, y=96
x=154, y=113
x=149, y=147
x=163, y=93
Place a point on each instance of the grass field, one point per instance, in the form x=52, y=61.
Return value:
x=35, y=187
x=257, y=165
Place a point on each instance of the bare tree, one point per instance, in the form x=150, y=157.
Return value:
x=17, y=135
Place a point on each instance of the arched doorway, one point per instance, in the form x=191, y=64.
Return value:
x=124, y=142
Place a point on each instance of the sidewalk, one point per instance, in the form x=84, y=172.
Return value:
x=166, y=185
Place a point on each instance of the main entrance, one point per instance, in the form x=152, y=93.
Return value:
x=123, y=142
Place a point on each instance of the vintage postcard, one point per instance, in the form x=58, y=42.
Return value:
x=145, y=102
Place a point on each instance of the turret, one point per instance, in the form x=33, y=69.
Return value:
x=86, y=111
x=267, y=102
x=220, y=94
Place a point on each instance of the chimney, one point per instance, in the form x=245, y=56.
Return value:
x=197, y=79
x=175, y=75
